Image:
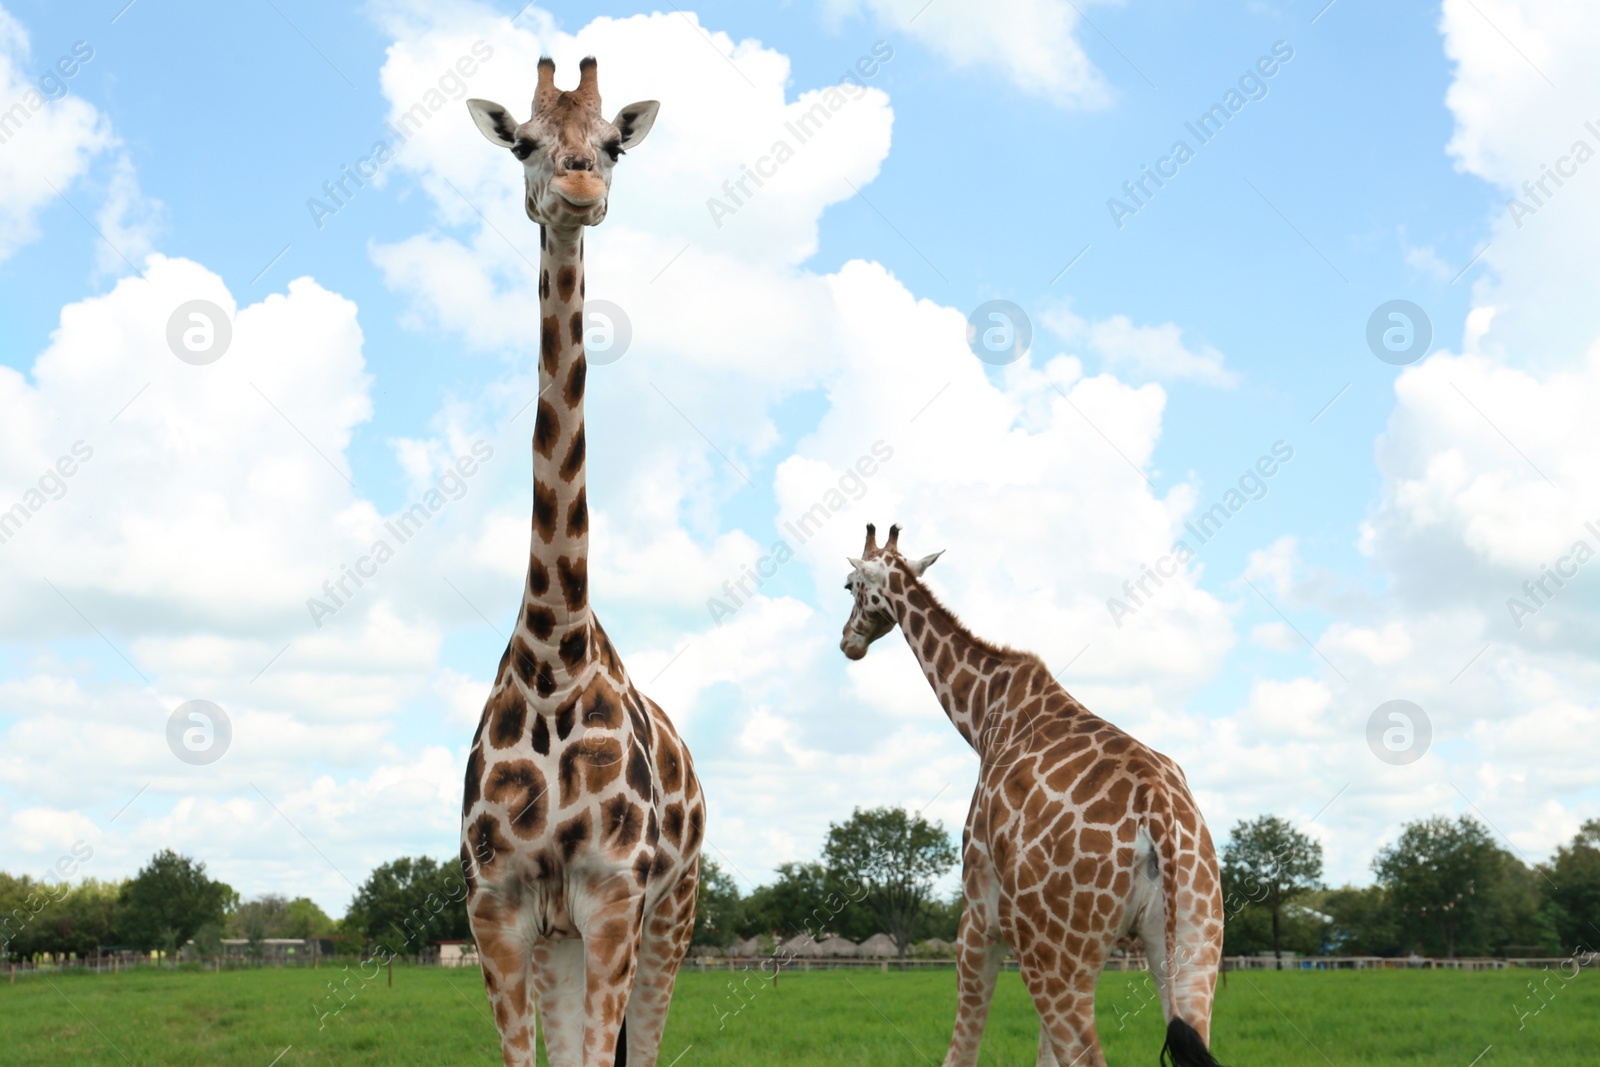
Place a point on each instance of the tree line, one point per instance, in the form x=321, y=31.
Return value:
x=1443, y=888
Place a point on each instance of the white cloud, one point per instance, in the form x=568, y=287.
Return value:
x=1276, y=636
x=47, y=137
x=1142, y=351
x=1032, y=43
x=1514, y=126
x=127, y=219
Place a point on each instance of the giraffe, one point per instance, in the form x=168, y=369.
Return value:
x=1077, y=834
x=582, y=818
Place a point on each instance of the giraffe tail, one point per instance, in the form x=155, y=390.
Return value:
x=1185, y=1047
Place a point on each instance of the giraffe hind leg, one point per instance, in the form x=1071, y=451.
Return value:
x=979, y=953
x=1063, y=994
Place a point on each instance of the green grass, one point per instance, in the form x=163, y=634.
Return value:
x=434, y=1017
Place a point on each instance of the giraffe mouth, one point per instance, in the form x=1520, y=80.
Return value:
x=580, y=205
x=854, y=644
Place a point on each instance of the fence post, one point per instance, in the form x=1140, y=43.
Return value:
x=391, y=974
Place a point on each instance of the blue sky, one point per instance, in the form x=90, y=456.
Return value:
x=769, y=351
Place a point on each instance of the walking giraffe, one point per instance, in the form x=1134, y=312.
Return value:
x=582, y=820
x=1078, y=834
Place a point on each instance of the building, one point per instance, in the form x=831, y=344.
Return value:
x=457, y=953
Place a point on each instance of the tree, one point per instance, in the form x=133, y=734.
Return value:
x=406, y=904
x=169, y=900
x=941, y=918
x=302, y=917
x=795, y=903
x=271, y=915
x=1571, y=886
x=1302, y=928
x=1365, y=922
x=23, y=902
x=718, y=910
x=208, y=940
x=1269, y=863
x=259, y=919
x=85, y=917
x=1438, y=876
x=892, y=858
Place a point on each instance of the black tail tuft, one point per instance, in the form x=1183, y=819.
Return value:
x=621, y=1059
x=1185, y=1047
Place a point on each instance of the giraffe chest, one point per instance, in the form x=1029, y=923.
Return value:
x=565, y=792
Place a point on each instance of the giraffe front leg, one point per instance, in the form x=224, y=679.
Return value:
x=610, y=929
x=662, y=945
x=558, y=972
x=506, y=979
x=979, y=951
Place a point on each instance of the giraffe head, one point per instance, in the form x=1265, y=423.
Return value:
x=873, y=614
x=567, y=148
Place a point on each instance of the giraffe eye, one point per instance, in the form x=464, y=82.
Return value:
x=613, y=149
x=524, y=148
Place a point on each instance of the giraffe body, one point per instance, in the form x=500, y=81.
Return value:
x=1077, y=834
x=582, y=818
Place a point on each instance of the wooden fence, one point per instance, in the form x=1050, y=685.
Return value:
x=765, y=964
x=1138, y=963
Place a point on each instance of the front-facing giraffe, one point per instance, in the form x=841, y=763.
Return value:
x=582, y=820
x=1078, y=834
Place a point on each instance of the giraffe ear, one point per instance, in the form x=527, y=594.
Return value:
x=494, y=121
x=635, y=120
x=855, y=564
x=921, y=565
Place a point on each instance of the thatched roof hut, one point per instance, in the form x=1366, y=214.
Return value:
x=878, y=946
x=836, y=946
x=801, y=946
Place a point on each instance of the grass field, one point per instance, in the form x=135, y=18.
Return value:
x=434, y=1017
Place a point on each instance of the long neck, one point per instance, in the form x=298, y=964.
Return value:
x=974, y=681
x=557, y=596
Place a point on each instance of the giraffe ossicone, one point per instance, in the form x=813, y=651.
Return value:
x=582, y=818
x=1078, y=834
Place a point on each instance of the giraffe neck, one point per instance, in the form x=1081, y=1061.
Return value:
x=970, y=676
x=556, y=600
